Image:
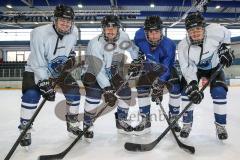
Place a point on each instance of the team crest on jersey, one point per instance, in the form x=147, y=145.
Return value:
x=55, y=65
x=205, y=63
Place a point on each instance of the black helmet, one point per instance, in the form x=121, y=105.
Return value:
x=153, y=22
x=62, y=11
x=110, y=21
x=194, y=19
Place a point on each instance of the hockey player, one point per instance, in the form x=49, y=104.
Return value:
x=104, y=56
x=158, y=50
x=200, y=54
x=51, y=54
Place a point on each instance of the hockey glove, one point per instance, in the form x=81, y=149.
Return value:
x=69, y=64
x=46, y=89
x=157, y=90
x=109, y=96
x=193, y=92
x=135, y=67
x=225, y=55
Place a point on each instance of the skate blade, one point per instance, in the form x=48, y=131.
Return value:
x=121, y=131
x=73, y=136
x=26, y=148
x=88, y=140
x=139, y=133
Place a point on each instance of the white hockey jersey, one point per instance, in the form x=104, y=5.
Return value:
x=190, y=55
x=42, y=60
x=107, y=53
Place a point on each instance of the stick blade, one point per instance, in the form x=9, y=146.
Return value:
x=50, y=157
x=134, y=147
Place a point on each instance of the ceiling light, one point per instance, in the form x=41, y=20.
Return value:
x=152, y=5
x=80, y=5
x=9, y=6
x=218, y=6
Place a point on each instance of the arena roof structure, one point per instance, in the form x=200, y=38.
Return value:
x=31, y=13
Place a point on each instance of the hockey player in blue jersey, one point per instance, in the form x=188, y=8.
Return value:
x=104, y=56
x=200, y=54
x=158, y=50
x=51, y=54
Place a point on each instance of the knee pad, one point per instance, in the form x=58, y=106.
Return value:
x=72, y=94
x=143, y=91
x=88, y=79
x=175, y=89
x=218, y=93
x=31, y=96
x=125, y=92
x=94, y=91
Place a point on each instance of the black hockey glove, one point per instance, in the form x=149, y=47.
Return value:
x=157, y=90
x=135, y=67
x=225, y=55
x=46, y=89
x=109, y=96
x=193, y=92
x=69, y=64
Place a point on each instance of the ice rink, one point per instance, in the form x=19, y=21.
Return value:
x=50, y=135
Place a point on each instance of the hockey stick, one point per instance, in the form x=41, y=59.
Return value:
x=199, y=5
x=185, y=147
x=62, y=154
x=147, y=147
x=10, y=153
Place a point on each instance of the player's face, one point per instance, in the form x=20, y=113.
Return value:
x=196, y=33
x=111, y=32
x=64, y=25
x=154, y=35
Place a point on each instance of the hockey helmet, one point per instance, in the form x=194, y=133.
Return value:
x=62, y=11
x=110, y=21
x=194, y=19
x=153, y=23
x=66, y=12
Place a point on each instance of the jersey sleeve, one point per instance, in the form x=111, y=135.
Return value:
x=37, y=60
x=96, y=65
x=168, y=61
x=227, y=35
x=188, y=67
x=133, y=49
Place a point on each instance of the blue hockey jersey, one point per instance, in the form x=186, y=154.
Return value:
x=164, y=54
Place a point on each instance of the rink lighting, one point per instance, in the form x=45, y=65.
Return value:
x=152, y=5
x=9, y=6
x=218, y=7
x=80, y=5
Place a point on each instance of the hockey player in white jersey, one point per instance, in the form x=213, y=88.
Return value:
x=51, y=54
x=200, y=54
x=109, y=48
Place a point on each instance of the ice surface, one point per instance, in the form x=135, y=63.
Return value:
x=50, y=134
